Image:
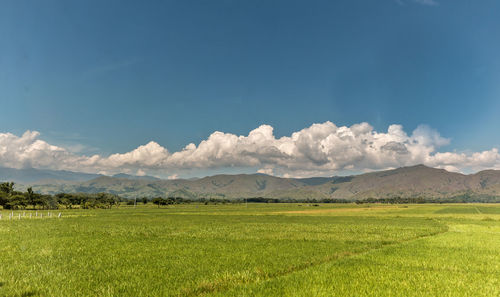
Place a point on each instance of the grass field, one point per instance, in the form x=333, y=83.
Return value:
x=254, y=250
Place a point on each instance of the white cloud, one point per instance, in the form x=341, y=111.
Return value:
x=29, y=151
x=173, y=176
x=268, y=171
x=149, y=155
x=321, y=149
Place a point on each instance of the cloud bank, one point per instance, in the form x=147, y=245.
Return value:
x=321, y=149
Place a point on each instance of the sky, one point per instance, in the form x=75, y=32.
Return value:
x=290, y=88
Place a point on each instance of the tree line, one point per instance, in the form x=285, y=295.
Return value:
x=12, y=199
x=160, y=201
x=462, y=198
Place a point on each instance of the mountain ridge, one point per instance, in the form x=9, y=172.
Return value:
x=404, y=182
x=30, y=175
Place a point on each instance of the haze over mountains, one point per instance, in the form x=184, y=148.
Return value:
x=32, y=175
x=406, y=182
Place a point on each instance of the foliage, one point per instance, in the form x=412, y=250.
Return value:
x=463, y=198
x=11, y=199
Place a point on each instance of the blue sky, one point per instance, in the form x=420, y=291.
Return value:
x=103, y=77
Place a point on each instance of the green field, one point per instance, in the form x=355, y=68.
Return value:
x=254, y=250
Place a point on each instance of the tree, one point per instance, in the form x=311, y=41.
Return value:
x=159, y=201
x=144, y=200
x=30, y=197
x=7, y=188
x=10, y=198
x=4, y=198
x=17, y=201
x=6, y=192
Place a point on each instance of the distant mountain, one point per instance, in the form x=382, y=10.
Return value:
x=139, y=177
x=406, y=182
x=30, y=175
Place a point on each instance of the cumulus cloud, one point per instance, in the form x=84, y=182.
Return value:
x=173, y=176
x=268, y=171
x=29, y=151
x=149, y=155
x=321, y=149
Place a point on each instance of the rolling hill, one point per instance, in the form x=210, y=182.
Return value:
x=406, y=182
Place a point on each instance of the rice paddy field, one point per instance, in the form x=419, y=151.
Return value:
x=253, y=250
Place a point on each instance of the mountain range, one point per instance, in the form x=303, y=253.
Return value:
x=33, y=175
x=406, y=182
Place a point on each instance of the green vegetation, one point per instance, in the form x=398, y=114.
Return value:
x=259, y=249
x=12, y=199
x=465, y=198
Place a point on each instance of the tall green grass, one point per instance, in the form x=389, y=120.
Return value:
x=254, y=250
